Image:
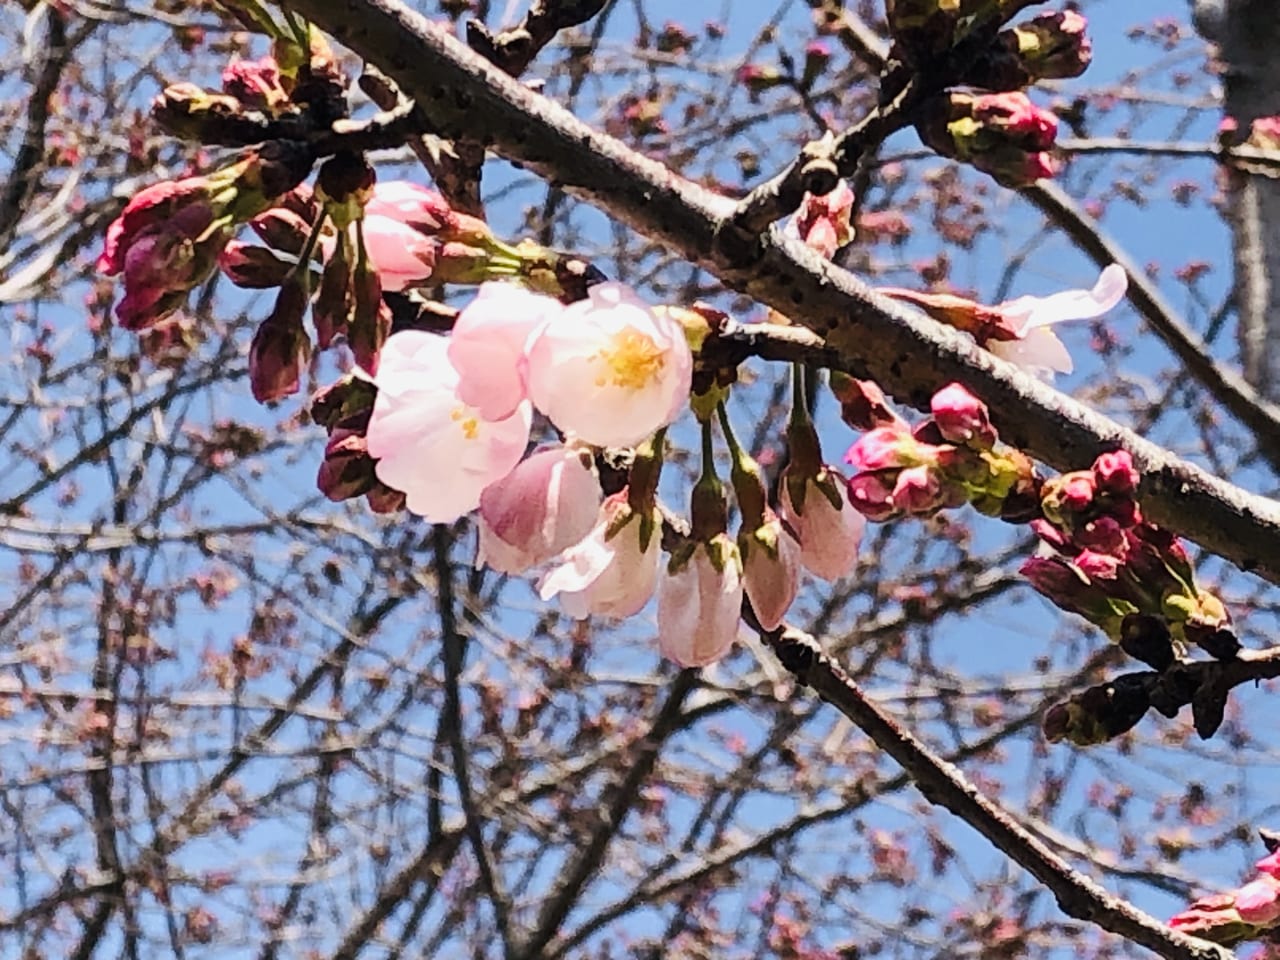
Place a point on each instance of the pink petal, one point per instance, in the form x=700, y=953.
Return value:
x=488, y=342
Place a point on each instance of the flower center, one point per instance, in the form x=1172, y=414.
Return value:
x=633, y=360
x=470, y=425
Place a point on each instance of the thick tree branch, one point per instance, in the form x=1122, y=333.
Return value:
x=909, y=355
x=943, y=784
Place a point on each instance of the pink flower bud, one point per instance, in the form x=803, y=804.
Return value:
x=1115, y=473
x=549, y=502
x=770, y=569
x=823, y=222
x=347, y=470
x=1077, y=492
x=1097, y=566
x=829, y=533
x=962, y=417
x=1270, y=864
x=881, y=449
x=871, y=495
x=255, y=83
x=700, y=604
x=252, y=267
x=1258, y=902
x=1104, y=534
x=917, y=491
x=281, y=347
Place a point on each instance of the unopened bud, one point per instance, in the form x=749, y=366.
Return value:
x=1100, y=713
x=281, y=347
x=252, y=267
x=1054, y=46
x=191, y=112
x=962, y=418
x=256, y=84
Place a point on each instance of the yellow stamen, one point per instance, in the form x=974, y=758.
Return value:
x=470, y=425
x=633, y=360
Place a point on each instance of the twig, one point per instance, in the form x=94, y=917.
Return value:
x=455, y=650
x=943, y=784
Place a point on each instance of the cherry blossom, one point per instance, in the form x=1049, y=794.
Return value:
x=610, y=369
x=547, y=503
x=428, y=443
x=1036, y=346
x=610, y=572
x=487, y=346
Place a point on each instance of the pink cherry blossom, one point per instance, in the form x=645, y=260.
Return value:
x=1028, y=318
x=700, y=604
x=430, y=445
x=547, y=503
x=610, y=369
x=488, y=342
x=829, y=535
x=770, y=570
x=609, y=572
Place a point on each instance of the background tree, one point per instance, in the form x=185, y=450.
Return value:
x=241, y=719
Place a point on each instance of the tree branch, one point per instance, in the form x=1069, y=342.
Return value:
x=943, y=784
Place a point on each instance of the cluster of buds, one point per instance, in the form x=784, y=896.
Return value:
x=1129, y=577
x=989, y=124
x=169, y=236
x=338, y=248
x=1051, y=46
x=348, y=471
x=924, y=30
x=947, y=460
x=1251, y=912
x=1002, y=134
x=292, y=85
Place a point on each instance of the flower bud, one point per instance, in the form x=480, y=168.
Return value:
x=282, y=229
x=862, y=403
x=256, y=84
x=281, y=347
x=252, y=267
x=347, y=469
x=1115, y=473
x=962, y=418
x=347, y=398
x=1054, y=46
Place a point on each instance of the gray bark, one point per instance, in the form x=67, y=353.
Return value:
x=1248, y=35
